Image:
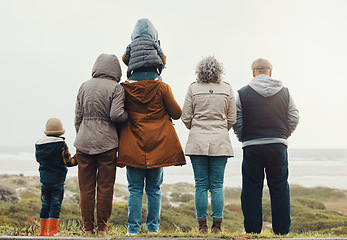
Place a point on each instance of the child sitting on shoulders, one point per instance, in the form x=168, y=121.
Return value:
x=143, y=56
x=53, y=155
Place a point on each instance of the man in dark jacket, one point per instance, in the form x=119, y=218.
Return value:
x=266, y=117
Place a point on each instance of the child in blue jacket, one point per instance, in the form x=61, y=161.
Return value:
x=143, y=56
x=53, y=155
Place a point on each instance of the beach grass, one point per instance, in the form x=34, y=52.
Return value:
x=316, y=212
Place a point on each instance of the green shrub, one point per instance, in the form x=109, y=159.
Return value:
x=31, y=194
x=232, y=193
x=120, y=190
x=233, y=218
x=72, y=188
x=317, y=193
x=20, y=213
x=7, y=195
x=341, y=230
x=302, y=224
x=182, y=217
x=119, y=214
x=70, y=211
x=20, y=181
x=310, y=203
x=311, y=215
x=178, y=197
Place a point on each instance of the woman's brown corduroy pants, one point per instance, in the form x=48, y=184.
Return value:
x=96, y=173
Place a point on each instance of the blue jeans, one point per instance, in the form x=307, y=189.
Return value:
x=137, y=178
x=273, y=159
x=51, y=197
x=209, y=175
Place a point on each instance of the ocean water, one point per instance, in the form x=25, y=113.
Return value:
x=307, y=167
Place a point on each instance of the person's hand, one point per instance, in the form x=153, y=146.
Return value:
x=120, y=165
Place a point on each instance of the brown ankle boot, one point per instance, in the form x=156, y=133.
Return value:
x=216, y=226
x=202, y=225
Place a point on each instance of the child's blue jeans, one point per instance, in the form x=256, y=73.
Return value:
x=51, y=197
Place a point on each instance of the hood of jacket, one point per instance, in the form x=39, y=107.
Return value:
x=265, y=85
x=142, y=91
x=144, y=28
x=107, y=66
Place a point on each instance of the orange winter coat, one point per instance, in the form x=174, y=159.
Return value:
x=148, y=139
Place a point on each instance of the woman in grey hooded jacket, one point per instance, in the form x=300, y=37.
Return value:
x=99, y=106
x=209, y=112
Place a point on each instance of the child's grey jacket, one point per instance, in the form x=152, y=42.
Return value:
x=143, y=53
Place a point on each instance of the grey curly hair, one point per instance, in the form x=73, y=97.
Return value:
x=209, y=70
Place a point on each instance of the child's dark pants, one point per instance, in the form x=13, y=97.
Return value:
x=51, y=197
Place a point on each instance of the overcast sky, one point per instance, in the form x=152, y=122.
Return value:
x=48, y=48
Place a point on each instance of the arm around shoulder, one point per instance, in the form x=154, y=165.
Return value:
x=171, y=106
x=188, y=111
x=239, y=119
x=117, y=112
x=231, y=110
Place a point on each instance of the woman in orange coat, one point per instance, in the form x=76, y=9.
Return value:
x=148, y=142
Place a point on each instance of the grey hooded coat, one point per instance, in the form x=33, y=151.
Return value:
x=99, y=106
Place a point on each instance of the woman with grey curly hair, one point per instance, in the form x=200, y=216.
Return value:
x=209, y=112
x=209, y=70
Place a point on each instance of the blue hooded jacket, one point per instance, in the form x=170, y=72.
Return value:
x=144, y=28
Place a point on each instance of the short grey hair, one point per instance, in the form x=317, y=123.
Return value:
x=209, y=70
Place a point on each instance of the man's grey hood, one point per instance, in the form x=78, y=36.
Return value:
x=144, y=28
x=265, y=85
x=107, y=65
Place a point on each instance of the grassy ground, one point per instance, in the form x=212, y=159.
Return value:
x=316, y=212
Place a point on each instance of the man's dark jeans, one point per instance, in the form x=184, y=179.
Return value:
x=51, y=197
x=273, y=159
